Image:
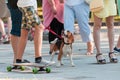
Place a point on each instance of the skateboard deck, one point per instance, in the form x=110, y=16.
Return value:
x=34, y=66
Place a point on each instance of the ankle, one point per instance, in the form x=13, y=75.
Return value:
x=18, y=60
x=38, y=59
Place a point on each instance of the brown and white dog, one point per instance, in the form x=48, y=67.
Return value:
x=64, y=46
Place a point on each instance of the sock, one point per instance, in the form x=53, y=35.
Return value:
x=38, y=59
x=18, y=60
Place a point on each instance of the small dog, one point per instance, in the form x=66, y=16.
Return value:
x=64, y=46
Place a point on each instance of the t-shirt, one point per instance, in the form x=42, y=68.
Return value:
x=26, y=3
x=73, y=2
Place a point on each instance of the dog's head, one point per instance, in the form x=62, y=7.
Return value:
x=68, y=37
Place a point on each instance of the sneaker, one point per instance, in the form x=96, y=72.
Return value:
x=22, y=61
x=116, y=49
x=44, y=62
x=54, y=41
x=5, y=39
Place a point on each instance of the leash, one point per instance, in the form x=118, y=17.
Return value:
x=48, y=28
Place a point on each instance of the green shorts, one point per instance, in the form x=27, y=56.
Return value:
x=29, y=18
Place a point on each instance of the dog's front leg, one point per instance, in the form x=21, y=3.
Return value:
x=59, y=63
x=71, y=60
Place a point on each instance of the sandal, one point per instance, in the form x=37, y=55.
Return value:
x=100, y=59
x=112, y=57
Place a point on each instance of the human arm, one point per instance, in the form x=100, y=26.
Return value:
x=61, y=1
x=53, y=6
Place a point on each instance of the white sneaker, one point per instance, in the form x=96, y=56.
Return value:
x=4, y=39
x=54, y=41
x=46, y=63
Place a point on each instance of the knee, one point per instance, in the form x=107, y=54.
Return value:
x=110, y=25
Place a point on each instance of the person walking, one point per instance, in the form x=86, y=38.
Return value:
x=16, y=25
x=4, y=13
x=78, y=10
x=53, y=18
x=30, y=19
x=117, y=47
x=108, y=13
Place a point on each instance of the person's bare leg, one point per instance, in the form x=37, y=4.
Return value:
x=90, y=48
x=110, y=26
x=38, y=37
x=96, y=33
x=118, y=43
x=9, y=24
x=2, y=29
x=96, y=37
x=14, y=43
x=22, y=43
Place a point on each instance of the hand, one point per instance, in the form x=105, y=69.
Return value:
x=61, y=1
x=54, y=10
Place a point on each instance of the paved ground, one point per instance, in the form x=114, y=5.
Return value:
x=85, y=66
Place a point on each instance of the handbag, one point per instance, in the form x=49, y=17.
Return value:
x=96, y=5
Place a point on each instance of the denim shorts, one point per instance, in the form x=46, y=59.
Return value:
x=29, y=17
x=16, y=17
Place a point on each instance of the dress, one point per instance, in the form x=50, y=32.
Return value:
x=118, y=6
x=109, y=9
x=4, y=12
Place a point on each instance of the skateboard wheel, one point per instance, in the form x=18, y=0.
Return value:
x=35, y=70
x=48, y=70
x=9, y=68
x=22, y=68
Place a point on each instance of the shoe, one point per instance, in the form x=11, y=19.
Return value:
x=44, y=62
x=100, y=59
x=5, y=39
x=112, y=57
x=116, y=49
x=54, y=41
x=22, y=61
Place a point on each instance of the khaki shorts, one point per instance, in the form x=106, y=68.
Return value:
x=4, y=11
x=29, y=18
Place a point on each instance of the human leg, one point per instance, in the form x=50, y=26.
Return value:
x=110, y=26
x=38, y=40
x=96, y=37
x=83, y=20
x=4, y=37
x=117, y=47
x=57, y=27
x=9, y=27
x=22, y=43
x=14, y=43
x=69, y=18
x=2, y=29
x=15, y=30
x=96, y=32
x=90, y=48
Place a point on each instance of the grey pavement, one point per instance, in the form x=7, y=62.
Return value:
x=85, y=68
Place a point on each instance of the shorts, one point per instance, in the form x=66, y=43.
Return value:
x=57, y=27
x=29, y=17
x=16, y=17
x=4, y=12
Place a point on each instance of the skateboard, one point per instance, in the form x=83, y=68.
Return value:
x=34, y=66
